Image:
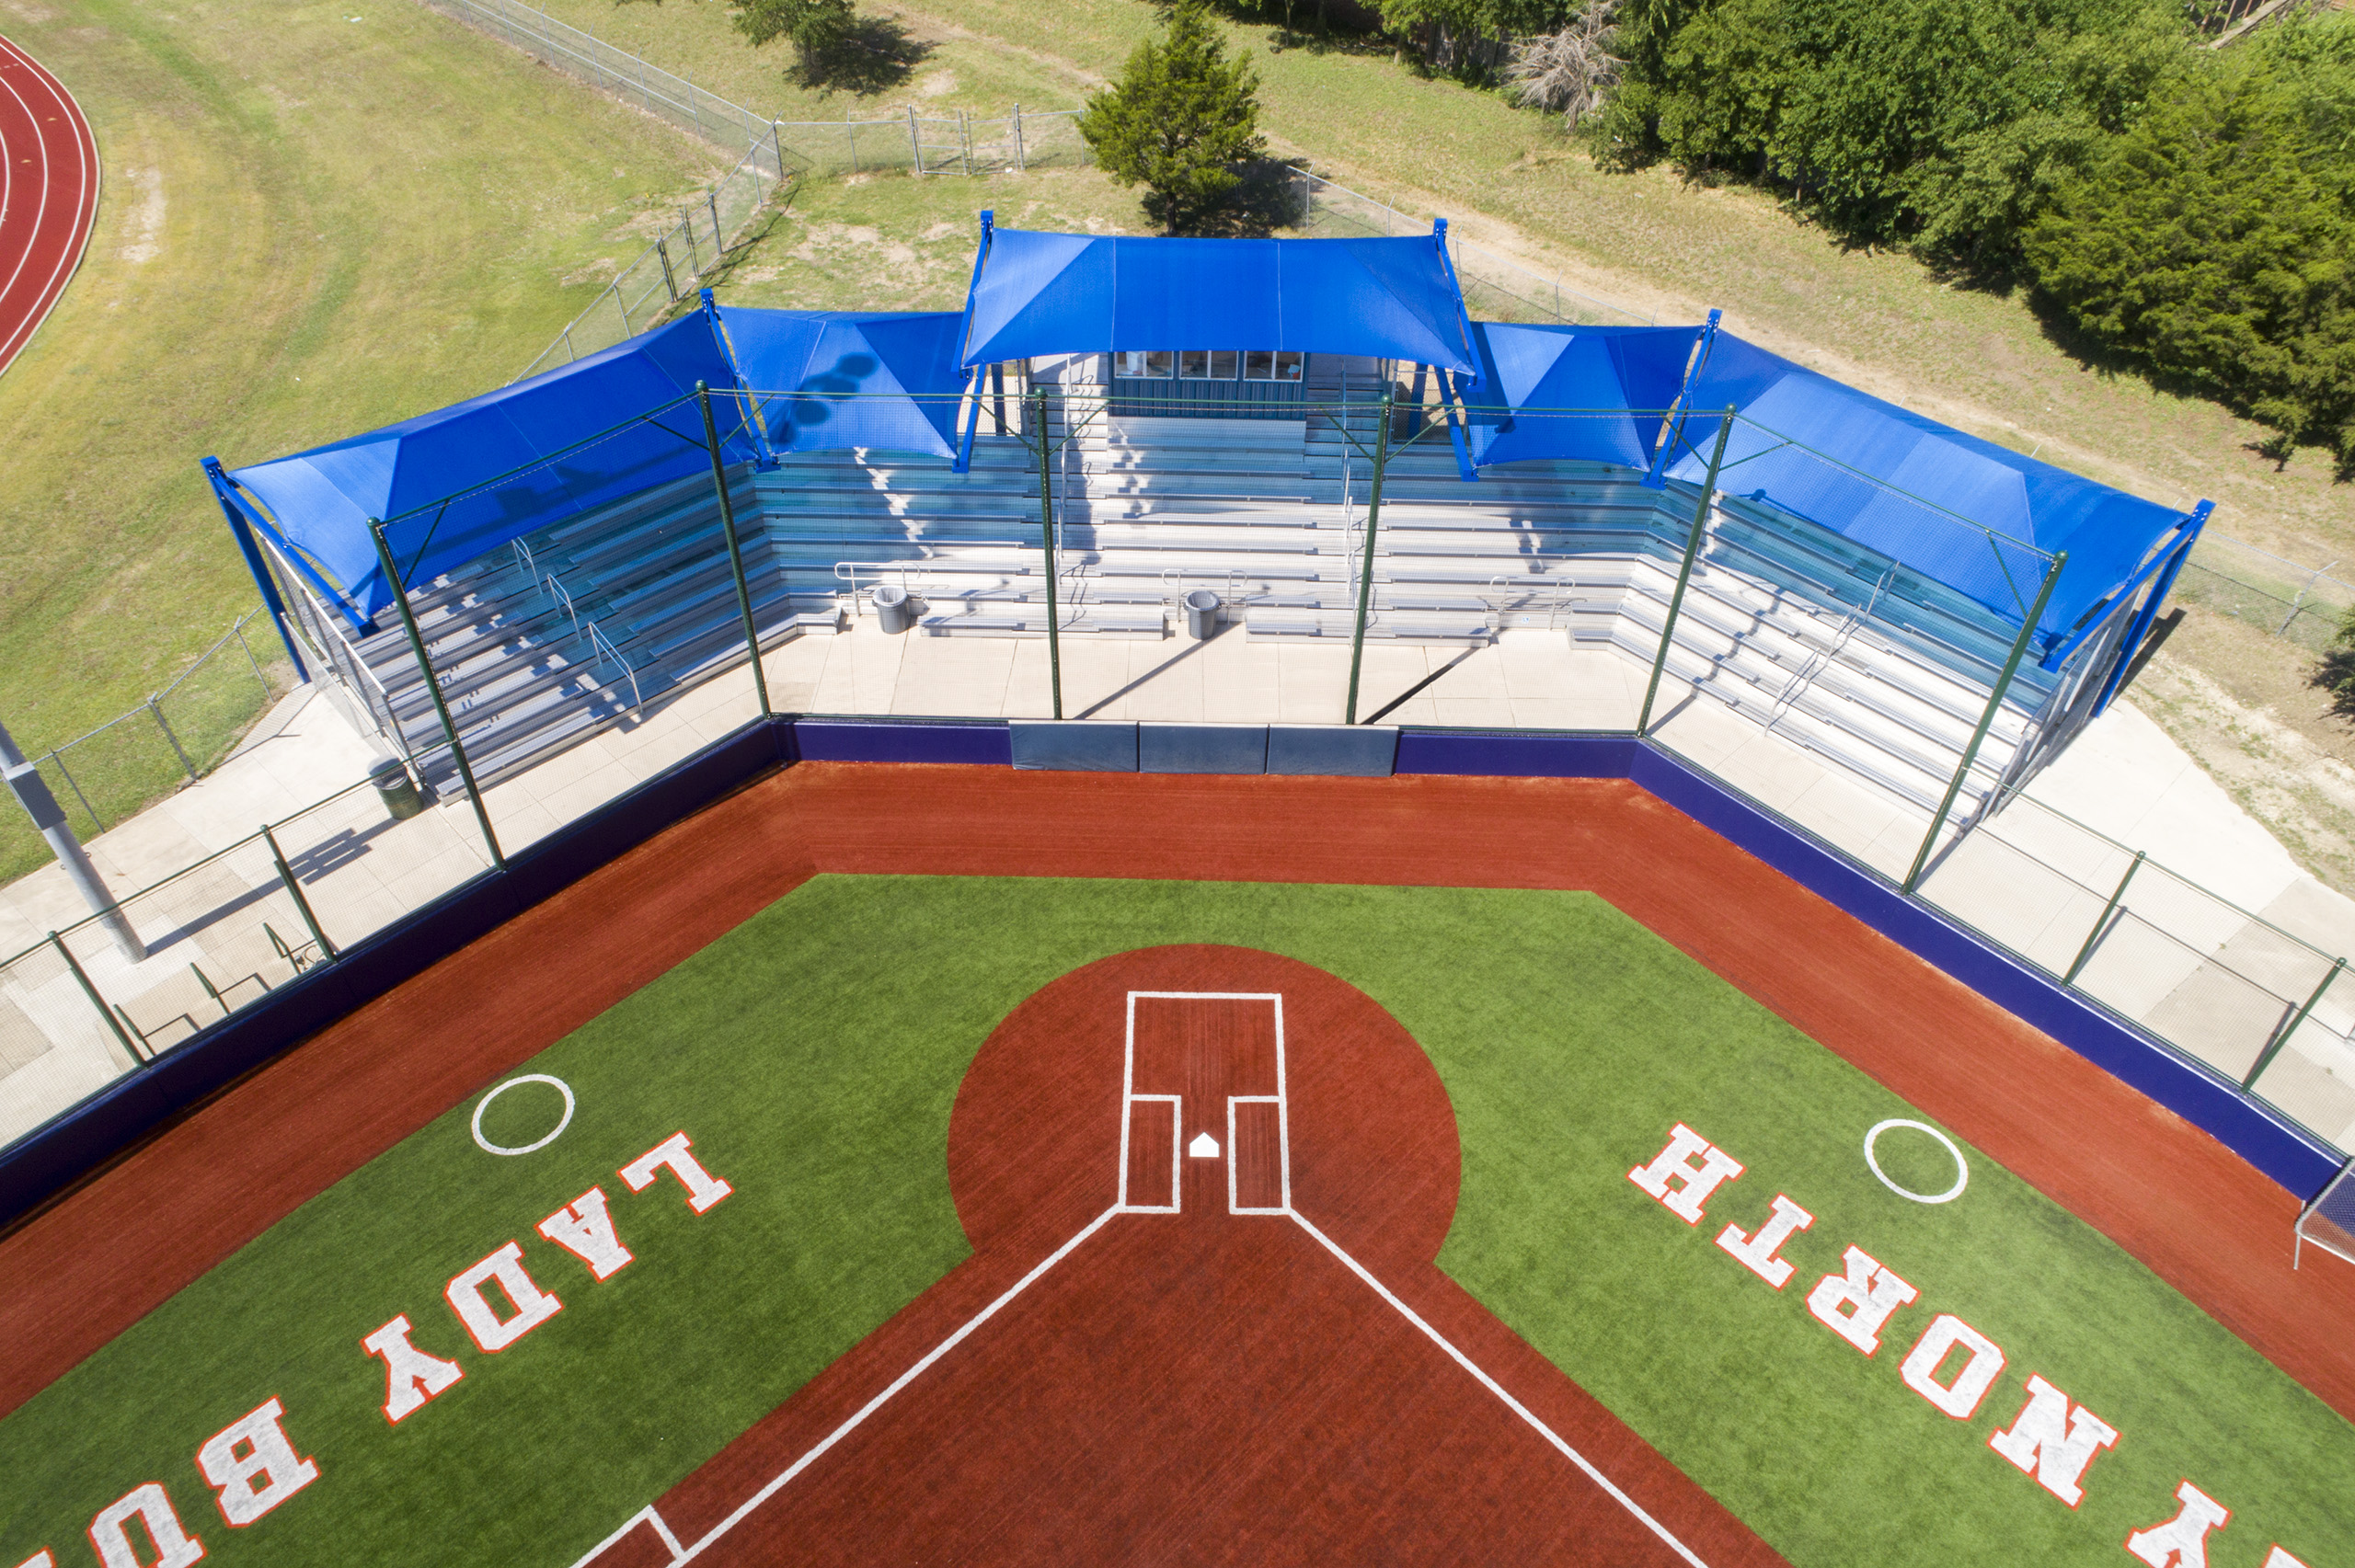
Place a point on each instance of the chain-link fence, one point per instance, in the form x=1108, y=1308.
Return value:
x=728, y=126
x=2283, y=598
x=174, y=738
x=665, y=275
x=957, y=142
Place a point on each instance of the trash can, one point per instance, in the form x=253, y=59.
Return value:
x=1202, y=614
x=395, y=788
x=891, y=607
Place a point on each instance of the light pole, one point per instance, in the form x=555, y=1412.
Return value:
x=32, y=793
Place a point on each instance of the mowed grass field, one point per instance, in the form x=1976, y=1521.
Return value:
x=1508, y=180
x=316, y=219
x=814, y=1056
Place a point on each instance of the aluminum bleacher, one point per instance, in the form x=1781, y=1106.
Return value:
x=1794, y=630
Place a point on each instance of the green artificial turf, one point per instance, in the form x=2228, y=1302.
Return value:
x=813, y=1056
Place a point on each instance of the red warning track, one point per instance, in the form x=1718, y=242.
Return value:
x=48, y=194
x=1202, y=1386
x=84, y=1270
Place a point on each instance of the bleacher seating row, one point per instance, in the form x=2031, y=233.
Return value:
x=1836, y=649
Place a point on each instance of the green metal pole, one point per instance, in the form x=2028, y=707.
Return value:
x=295, y=890
x=2107, y=910
x=1047, y=534
x=735, y=549
x=1365, y=573
x=95, y=1000
x=2281, y=1036
x=1987, y=719
x=1684, y=572
x=433, y=689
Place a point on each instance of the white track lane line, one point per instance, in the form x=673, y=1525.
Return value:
x=86, y=158
x=1511, y=1403
x=839, y=1433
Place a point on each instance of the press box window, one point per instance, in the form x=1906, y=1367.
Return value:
x=1149, y=364
x=1271, y=364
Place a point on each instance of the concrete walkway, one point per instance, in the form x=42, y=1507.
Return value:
x=2190, y=963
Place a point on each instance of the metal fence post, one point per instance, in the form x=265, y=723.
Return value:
x=295, y=891
x=433, y=689
x=662, y=252
x=240, y=629
x=1685, y=571
x=735, y=549
x=181, y=751
x=2281, y=1036
x=1987, y=719
x=1021, y=162
x=2107, y=910
x=850, y=131
x=1047, y=537
x=1366, y=571
x=95, y=1000
x=915, y=143
x=718, y=240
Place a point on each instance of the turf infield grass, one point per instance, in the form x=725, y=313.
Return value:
x=814, y=1053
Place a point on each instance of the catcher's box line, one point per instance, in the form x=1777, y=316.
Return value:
x=680, y=1555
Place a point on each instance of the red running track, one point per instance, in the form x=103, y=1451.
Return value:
x=48, y=194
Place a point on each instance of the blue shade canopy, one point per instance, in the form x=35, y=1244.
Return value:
x=827, y=380
x=1046, y=293
x=1899, y=483
x=1619, y=379
x=317, y=503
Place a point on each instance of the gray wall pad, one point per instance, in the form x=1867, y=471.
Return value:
x=1364, y=751
x=1076, y=746
x=1201, y=748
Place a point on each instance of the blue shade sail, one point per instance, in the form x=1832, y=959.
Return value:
x=830, y=380
x=1904, y=486
x=1036, y=294
x=453, y=483
x=1619, y=381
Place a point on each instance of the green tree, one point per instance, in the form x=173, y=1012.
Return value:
x=1941, y=123
x=2214, y=240
x=1178, y=120
x=818, y=30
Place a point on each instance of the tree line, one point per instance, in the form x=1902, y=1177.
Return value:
x=2173, y=206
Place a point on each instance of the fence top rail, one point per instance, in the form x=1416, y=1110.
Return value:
x=193, y=866
x=2160, y=867
x=196, y=664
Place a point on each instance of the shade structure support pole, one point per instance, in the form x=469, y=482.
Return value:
x=2281, y=1036
x=433, y=689
x=1365, y=567
x=1987, y=719
x=251, y=550
x=1047, y=537
x=1685, y=571
x=735, y=549
x=2092, y=937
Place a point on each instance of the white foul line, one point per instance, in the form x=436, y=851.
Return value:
x=690, y=1554
x=1511, y=1403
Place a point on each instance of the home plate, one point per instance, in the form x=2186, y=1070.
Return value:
x=1204, y=1147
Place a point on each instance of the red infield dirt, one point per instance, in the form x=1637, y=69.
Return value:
x=85, y=1269
x=1200, y=1386
x=48, y=194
